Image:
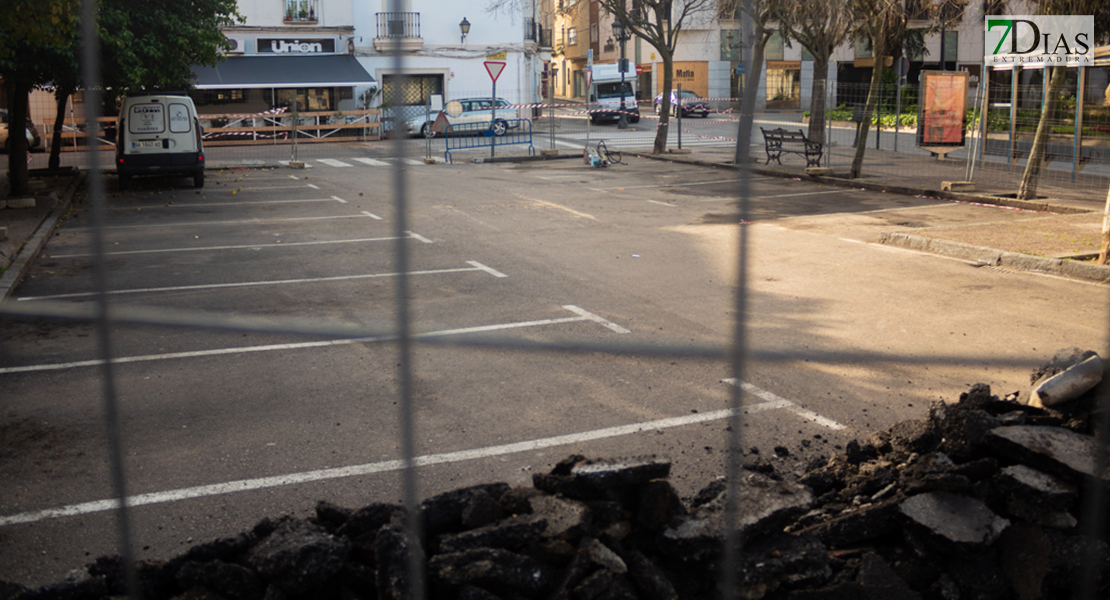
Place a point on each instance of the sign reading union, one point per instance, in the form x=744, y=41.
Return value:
x=1040, y=39
x=296, y=46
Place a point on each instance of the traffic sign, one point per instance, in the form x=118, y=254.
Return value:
x=494, y=68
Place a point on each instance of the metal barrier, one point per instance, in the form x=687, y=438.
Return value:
x=489, y=134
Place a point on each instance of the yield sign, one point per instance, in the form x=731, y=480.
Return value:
x=494, y=68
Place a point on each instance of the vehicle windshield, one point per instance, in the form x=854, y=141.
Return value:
x=613, y=90
x=687, y=94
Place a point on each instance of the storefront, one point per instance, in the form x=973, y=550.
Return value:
x=275, y=72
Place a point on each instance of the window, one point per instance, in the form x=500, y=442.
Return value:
x=417, y=90
x=593, y=33
x=774, y=50
x=572, y=36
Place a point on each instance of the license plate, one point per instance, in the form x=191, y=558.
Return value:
x=154, y=144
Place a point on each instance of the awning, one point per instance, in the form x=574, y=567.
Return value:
x=339, y=70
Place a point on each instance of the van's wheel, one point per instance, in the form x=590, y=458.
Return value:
x=124, y=181
x=499, y=127
x=198, y=179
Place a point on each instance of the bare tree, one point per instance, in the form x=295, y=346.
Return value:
x=1055, y=83
x=819, y=26
x=764, y=16
x=886, y=24
x=660, y=23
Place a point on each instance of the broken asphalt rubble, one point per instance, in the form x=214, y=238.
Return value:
x=983, y=499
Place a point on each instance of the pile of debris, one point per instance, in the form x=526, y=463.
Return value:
x=983, y=499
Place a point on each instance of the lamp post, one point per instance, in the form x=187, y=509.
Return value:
x=622, y=35
x=464, y=27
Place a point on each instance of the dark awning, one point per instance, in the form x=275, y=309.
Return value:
x=339, y=70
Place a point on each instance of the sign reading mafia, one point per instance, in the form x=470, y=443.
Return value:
x=1040, y=39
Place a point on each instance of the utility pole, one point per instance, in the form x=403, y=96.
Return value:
x=622, y=35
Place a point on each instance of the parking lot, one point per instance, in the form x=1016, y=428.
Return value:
x=224, y=424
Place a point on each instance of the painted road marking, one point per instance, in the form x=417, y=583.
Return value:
x=372, y=162
x=475, y=266
x=663, y=203
x=489, y=270
x=249, y=246
x=248, y=485
x=231, y=222
x=371, y=215
x=583, y=315
x=338, y=199
x=787, y=404
x=412, y=161
x=331, y=162
x=221, y=204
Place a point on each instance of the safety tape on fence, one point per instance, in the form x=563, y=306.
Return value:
x=264, y=136
x=269, y=113
x=988, y=205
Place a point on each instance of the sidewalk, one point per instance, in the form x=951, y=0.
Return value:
x=1058, y=234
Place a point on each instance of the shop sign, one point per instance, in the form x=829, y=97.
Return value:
x=272, y=46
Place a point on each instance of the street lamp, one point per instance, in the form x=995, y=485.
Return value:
x=464, y=27
x=621, y=33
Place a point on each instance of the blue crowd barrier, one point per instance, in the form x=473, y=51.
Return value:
x=484, y=135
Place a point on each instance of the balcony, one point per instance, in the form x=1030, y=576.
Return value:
x=399, y=26
x=301, y=12
x=535, y=32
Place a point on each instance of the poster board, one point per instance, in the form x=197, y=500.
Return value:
x=940, y=114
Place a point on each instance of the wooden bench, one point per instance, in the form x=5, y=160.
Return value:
x=779, y=140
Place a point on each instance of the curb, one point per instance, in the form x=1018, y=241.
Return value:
x=1016, y=261
x=521, y=159
x=890, y=189
x=31, y=249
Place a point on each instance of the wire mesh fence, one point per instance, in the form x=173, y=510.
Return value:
x=561, y=126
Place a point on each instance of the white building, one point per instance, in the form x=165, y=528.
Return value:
x=286, y=50
x=444, y=47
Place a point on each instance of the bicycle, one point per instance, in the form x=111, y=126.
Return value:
x=609, y=156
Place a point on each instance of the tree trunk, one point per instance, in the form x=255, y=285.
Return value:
x=661, y=132
x=17, y=138
x=61, y=95
x=818, y=92
x=1104, y=252
x=747, y=103
x=1029, y=179
x=868, y=110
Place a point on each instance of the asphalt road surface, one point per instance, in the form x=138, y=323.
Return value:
x=222, y=428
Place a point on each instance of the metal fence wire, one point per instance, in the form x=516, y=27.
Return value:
x=1004, y=129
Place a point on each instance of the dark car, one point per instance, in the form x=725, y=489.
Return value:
x=692, y=104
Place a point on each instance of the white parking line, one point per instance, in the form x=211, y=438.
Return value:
x=221, y=204
x=489, y=270
x=371, y=215
x=780, y=402
x=338, y=199
x=247, y=485
x=238, y=247
x=475, y=266
x=231, y=222
x=583, y=316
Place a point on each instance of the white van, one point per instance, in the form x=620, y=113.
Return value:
x=159, y=134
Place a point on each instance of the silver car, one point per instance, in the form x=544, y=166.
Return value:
x=34, y=140
x=472, y=110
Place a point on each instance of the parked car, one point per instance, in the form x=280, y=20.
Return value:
x=692, y=104
x=473, y=110
x=34, y=140
x=159, y=134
